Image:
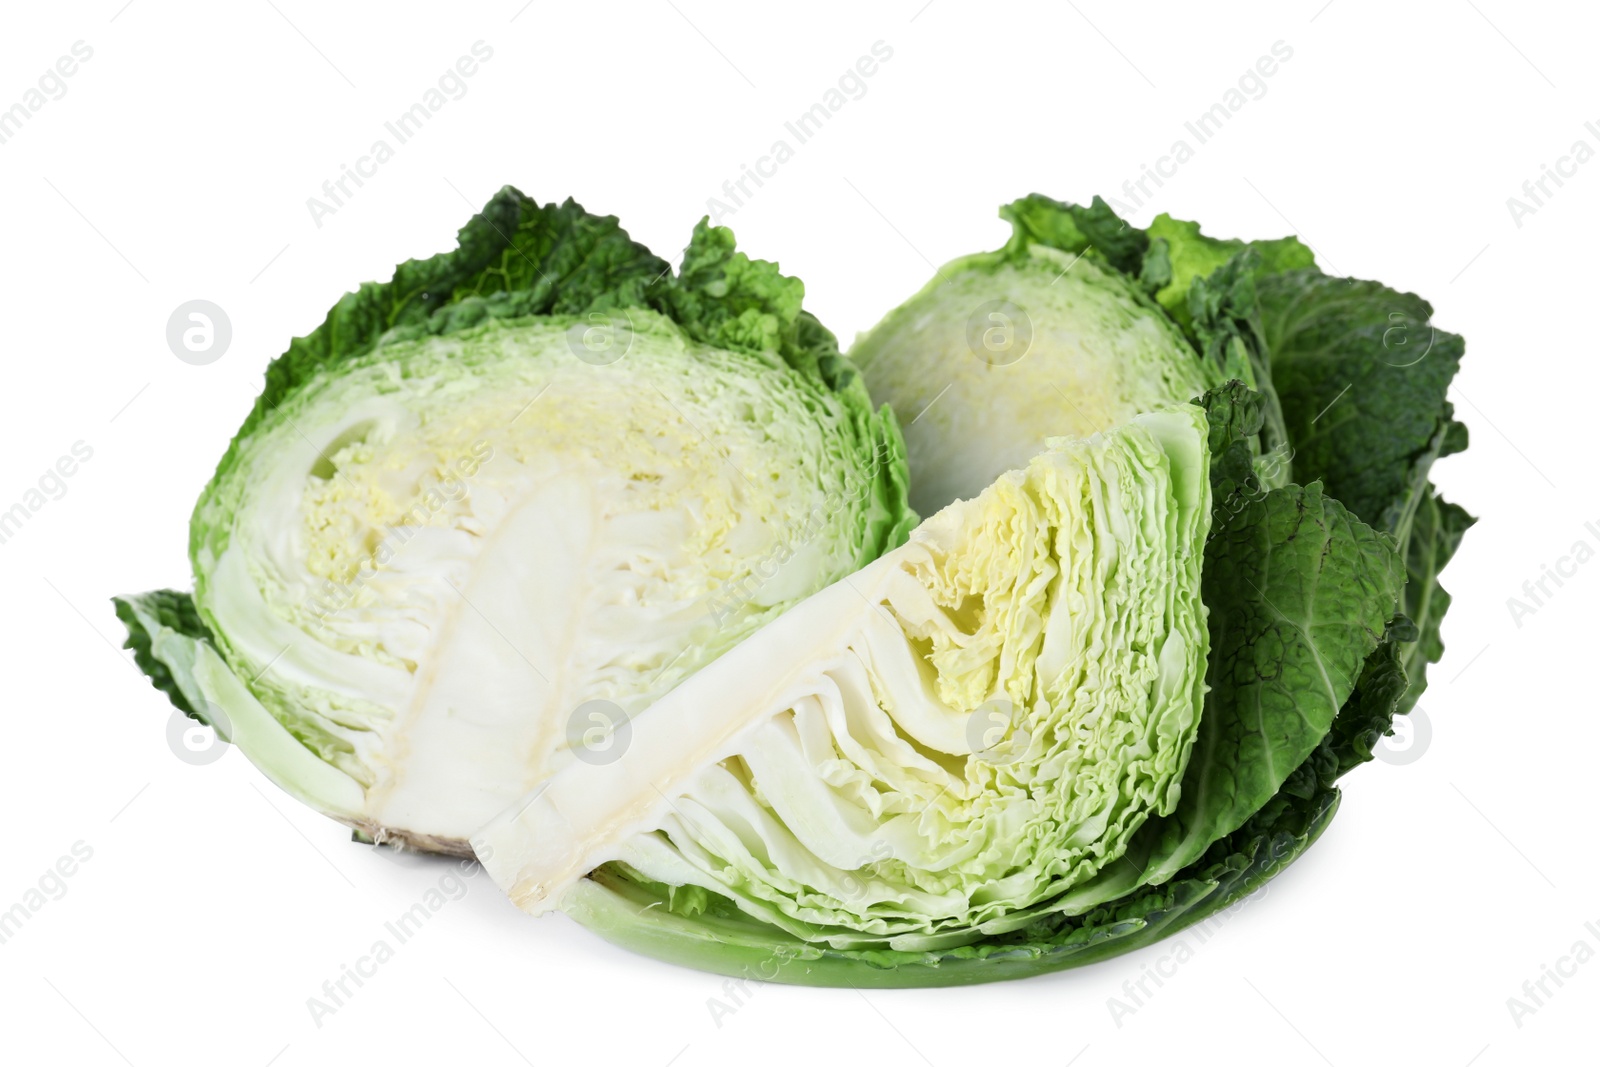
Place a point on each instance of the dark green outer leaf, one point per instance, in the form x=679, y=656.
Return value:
x=1225, y=325
x=1078, y=229
x=145, y=614
x=1436, y=533
x=1299, y=593
x=1234, y=414
x=1361, y=373
x=1369, y=712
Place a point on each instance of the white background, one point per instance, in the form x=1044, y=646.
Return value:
x=177, y=166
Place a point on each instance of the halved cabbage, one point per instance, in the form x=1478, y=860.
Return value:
x=469, y=530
